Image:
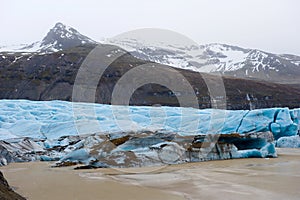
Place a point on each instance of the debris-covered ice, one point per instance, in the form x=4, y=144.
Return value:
x=129, y=136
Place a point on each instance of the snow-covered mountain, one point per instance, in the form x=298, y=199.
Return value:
x=60, y=37
x=212, y=58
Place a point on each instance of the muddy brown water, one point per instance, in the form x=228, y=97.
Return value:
x=277, y=178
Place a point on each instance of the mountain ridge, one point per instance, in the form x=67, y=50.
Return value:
x=220, y=58
x=212, y=58
x=60, y=37
x=51, y=75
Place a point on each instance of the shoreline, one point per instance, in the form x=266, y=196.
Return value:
x=254, y=178
x=37, y=180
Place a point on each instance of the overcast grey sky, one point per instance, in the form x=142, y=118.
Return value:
x=270, y=25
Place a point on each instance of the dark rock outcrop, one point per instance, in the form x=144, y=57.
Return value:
x=6, y=193
x=52, y=76
x=62, y=37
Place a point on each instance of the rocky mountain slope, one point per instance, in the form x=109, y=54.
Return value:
x=60, y=37
x=49, y=73
x=52, y=76
x=221, y=58
x=211, y=58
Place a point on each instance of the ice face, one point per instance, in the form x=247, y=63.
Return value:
x=81, y=132
x=54, y=119
x=289, y=142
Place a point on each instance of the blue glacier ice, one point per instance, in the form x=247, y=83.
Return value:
x=80, y=155
x=289, y=142
x=54, y=119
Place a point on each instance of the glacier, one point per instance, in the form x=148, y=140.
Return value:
x=54, y=119
x=101, y=135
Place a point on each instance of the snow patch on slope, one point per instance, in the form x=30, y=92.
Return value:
x=206, y=58
x=58, y=38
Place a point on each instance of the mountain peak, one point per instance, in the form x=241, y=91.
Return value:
x=63, y=37
x=60, y=37
x=59, y=24
x=60, y=28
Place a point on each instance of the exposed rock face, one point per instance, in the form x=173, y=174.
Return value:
x=6, y=193
x=211, y=58
x=52, y=76
x=62, y=37
x=229, y=60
